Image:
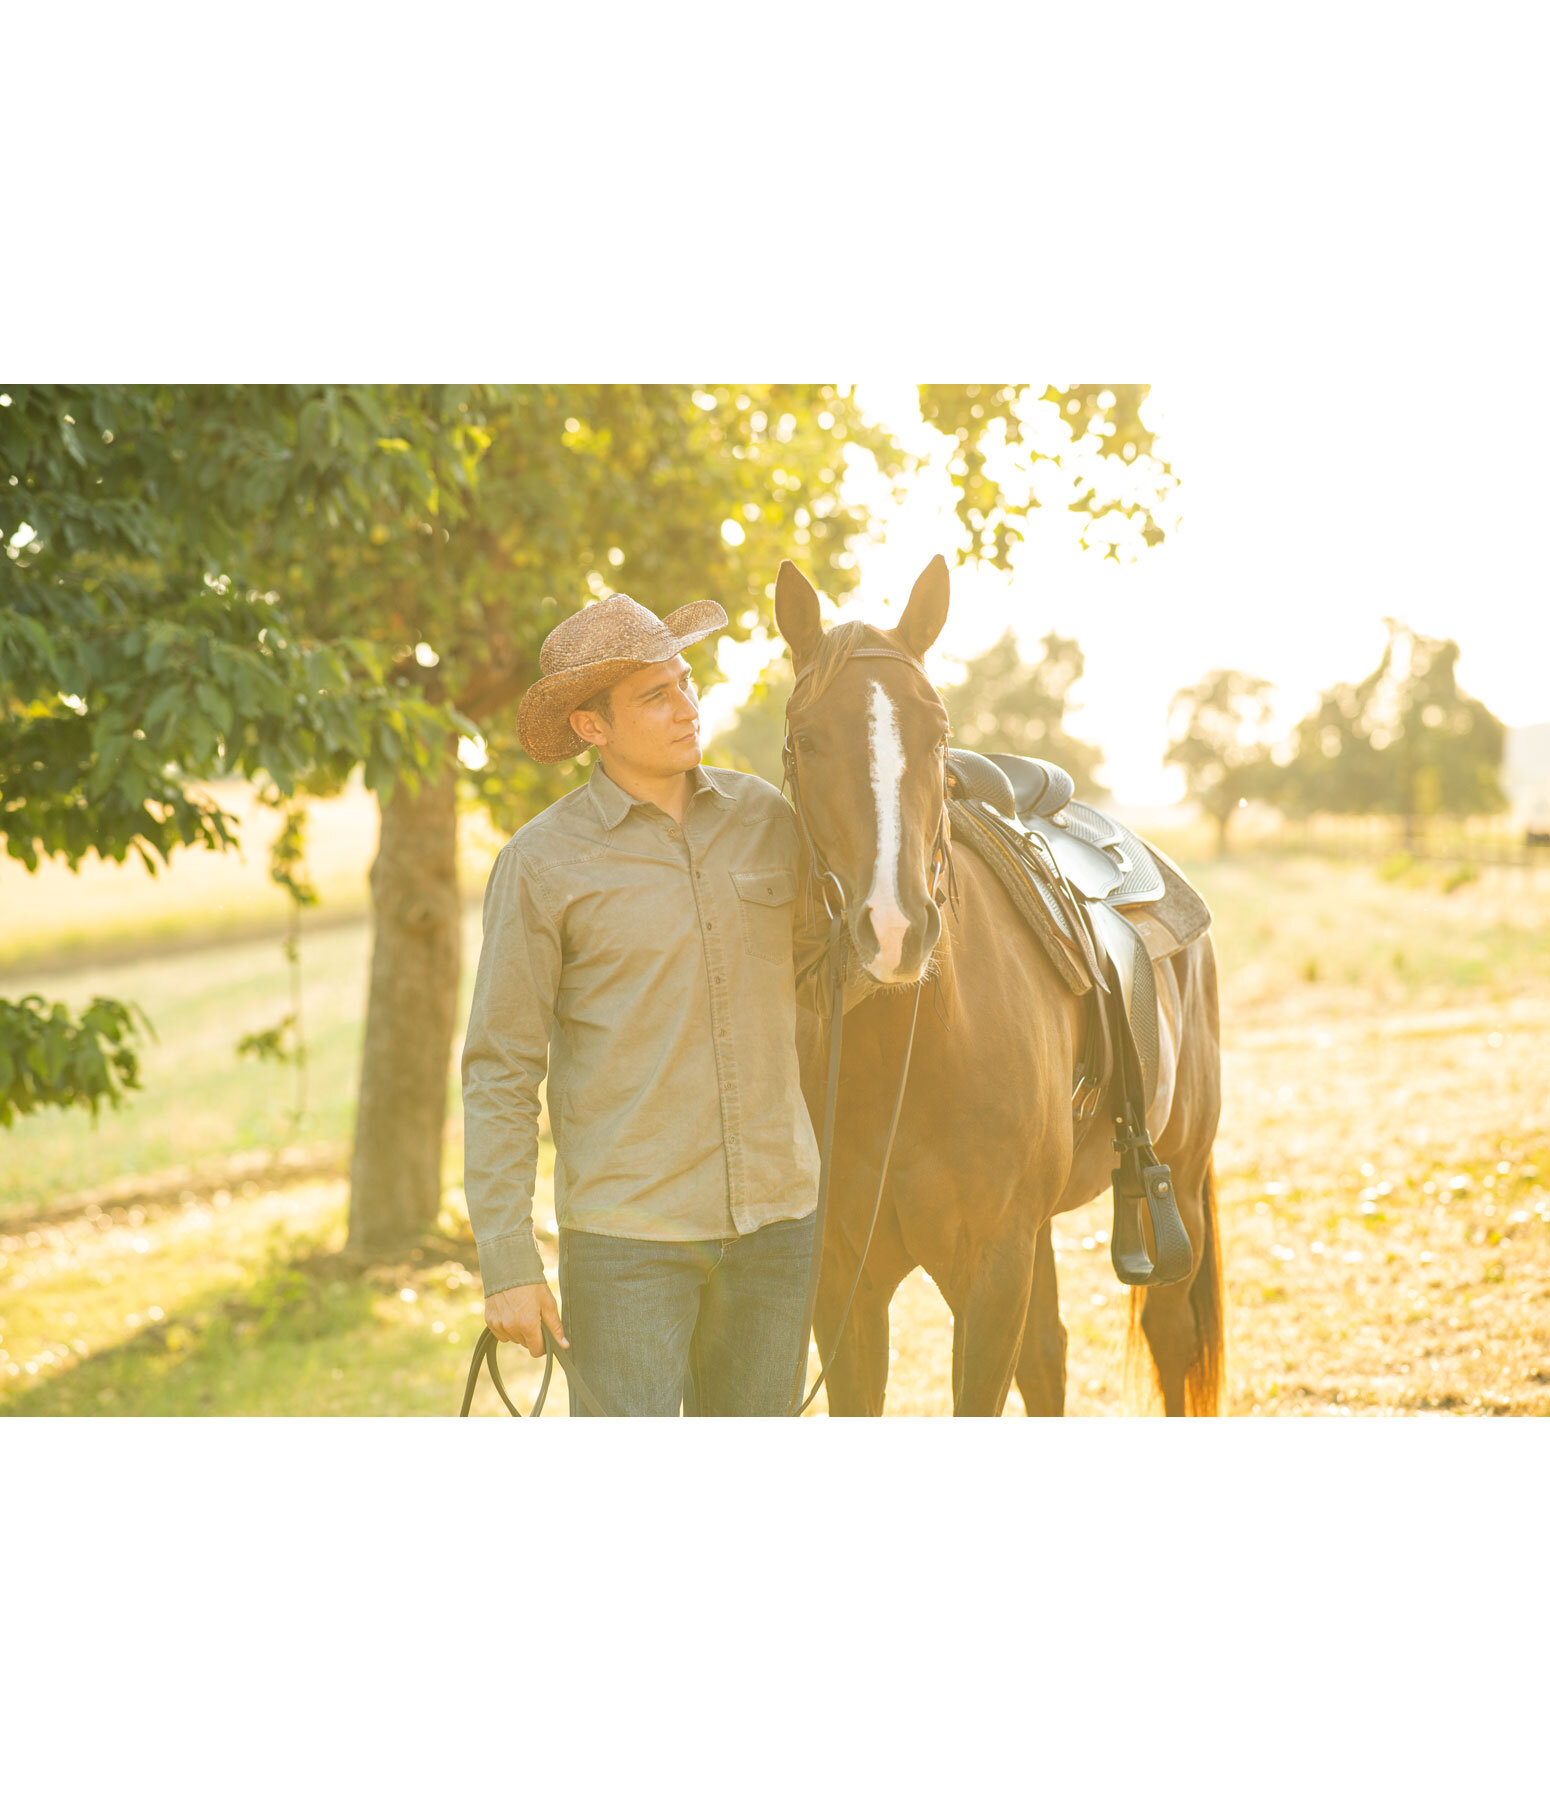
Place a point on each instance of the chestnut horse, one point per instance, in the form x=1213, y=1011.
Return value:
x=986, y=1153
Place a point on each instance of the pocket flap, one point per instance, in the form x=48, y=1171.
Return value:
x=766, y=887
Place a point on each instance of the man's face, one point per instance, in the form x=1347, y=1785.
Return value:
x=655, y=728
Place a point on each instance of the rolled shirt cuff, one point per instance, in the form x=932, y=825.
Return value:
x=510, y=1261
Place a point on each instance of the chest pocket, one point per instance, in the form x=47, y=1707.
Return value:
x=766, y=900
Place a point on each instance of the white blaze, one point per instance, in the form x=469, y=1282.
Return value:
x=886, y=749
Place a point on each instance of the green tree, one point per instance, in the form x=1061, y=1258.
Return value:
x=1005, y=704
x=141, y=651
x=1404, y=741
x=1083, y=447
x=1217, y=738
x=671, y=493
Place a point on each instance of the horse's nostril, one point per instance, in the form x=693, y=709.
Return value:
x=888, y=930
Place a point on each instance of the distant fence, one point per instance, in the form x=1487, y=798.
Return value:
x=1487, y=843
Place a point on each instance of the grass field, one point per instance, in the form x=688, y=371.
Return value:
x=1384, y=1162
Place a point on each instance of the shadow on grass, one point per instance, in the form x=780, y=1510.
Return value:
x=314, y=1334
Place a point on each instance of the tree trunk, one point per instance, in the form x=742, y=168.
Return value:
x=1221, y=834
x=395, y=1172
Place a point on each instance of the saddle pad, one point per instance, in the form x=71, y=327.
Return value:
x=1039, y=908
x=1181, y=912
x=1159, y=940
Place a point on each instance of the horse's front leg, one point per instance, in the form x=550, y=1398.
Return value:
x=858, y=1364
x=990, y=1307
x=857, y=1381
x=1041, y=1363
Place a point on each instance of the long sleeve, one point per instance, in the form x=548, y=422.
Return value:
x=505, y=1056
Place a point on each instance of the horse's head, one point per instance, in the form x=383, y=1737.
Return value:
x=866, y=756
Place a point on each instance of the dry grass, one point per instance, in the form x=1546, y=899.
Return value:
x=111, y=911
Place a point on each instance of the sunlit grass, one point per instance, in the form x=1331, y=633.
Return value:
x=200, y=1101
x=238, y=1304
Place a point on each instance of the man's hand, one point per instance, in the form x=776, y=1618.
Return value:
x=518, y=1315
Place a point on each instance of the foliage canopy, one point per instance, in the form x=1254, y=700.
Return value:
x=143, y=648
x=671, y=493
x=1023, y=446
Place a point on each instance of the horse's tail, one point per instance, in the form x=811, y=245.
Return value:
x=1205, y=1384
x=1205, y=1376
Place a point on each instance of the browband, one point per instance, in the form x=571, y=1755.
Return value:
x=867, y=650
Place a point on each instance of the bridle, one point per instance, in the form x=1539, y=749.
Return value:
x=822, y=877
x=821, y=874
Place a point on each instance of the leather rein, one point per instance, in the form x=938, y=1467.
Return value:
x=837, y=955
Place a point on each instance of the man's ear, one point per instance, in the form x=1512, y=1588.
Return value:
x=589, y=726
x=797, y=617
x=926, y=613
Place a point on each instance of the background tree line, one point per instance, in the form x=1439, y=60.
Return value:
x=1405, y=742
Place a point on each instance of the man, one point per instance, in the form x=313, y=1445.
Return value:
x=638, y=941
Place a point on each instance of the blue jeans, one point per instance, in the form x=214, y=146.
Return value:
x=712, y=1324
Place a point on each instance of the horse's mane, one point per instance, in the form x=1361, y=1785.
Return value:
x=835, y=648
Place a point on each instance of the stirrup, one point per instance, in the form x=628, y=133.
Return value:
x=1151, y=1181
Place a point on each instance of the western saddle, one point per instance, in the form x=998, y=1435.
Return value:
x=1103, y=905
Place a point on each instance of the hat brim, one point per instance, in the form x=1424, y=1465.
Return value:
x=543, y=720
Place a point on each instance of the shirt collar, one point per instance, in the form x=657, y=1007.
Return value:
x=612, y=803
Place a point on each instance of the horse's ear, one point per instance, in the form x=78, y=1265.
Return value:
x=926, y=613
x=797, y=617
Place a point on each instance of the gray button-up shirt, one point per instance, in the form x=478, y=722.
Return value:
x=649, y=967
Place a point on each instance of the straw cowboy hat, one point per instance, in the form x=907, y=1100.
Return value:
x=591, y=650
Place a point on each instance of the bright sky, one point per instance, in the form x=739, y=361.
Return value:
x=1307, y=515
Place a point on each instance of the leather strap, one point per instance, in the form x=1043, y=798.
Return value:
x=836, y=956
x=836, y=1030
x=554, y=1352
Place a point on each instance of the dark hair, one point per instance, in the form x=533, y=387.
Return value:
x=602, y=703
